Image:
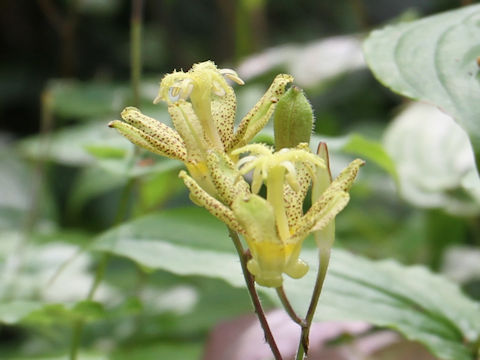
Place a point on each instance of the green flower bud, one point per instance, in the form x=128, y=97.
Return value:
x=293, y=119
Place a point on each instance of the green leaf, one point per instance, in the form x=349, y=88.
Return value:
x=19, y=182
x=192, y=243
x=424, y=307
x=68, y=146
x=85, y=100
x=371, y=151
x=436, y=167
x=37, y=312
x=91, y=182
x=107, y=152
x=15, y=311
x=434, y=60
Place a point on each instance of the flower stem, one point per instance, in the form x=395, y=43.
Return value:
x=244, y=256
x=288, y=307
x=322, y=271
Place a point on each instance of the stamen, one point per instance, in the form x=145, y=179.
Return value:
x=291, y=175
x=173, y=93
x=232, y=75
x=241, y=163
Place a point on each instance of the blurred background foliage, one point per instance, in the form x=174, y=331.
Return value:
x=65, y=177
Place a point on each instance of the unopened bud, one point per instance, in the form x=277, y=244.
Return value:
x=293, y=119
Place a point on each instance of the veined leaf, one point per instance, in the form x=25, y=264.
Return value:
x=422, y=306
x=435, y=60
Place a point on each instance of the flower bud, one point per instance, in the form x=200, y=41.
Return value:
x=293, y=119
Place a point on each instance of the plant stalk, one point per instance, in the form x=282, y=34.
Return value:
x=135, y=75
x=288, y=307
x=244, y=257
x=303, y=345
x=136, y=50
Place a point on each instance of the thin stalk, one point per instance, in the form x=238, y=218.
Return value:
x=136, y=49
x=15, y=261
x=244, y=256
x=136, y=71
x=288, y=307
x=100, y=272
x=302, y=352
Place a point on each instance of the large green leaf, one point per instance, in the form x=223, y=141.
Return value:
x=423, y=306
x=434, y=60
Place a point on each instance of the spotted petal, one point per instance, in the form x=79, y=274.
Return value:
x=223, y=113
x=321, y=213
x=215, y=207
x=258, y=117
x=186, y=122
x=226, y=178
x=163, y=143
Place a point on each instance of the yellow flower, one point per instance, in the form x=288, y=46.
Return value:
x=275, y=227
x=202, y=106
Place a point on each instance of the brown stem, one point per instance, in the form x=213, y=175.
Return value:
x=249, y=280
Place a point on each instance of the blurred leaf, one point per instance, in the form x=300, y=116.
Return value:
x=92, y=181
x=66, y=313
x=424, y=307
x=197, y=240
x=144, y=166
x=15, y=311
x=462, y=263
x=76, y=99
x=434, y=160
x=95, y=143
x=433, y=59
x=157, y=188
x=37, y=312
x=19, y=182
x=87, y=100
x=101, y=151
x=370, y=151
x=29, y=270
x=68, y=146
x=310, y=64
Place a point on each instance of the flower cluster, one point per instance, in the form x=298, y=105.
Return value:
x=218, y=160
